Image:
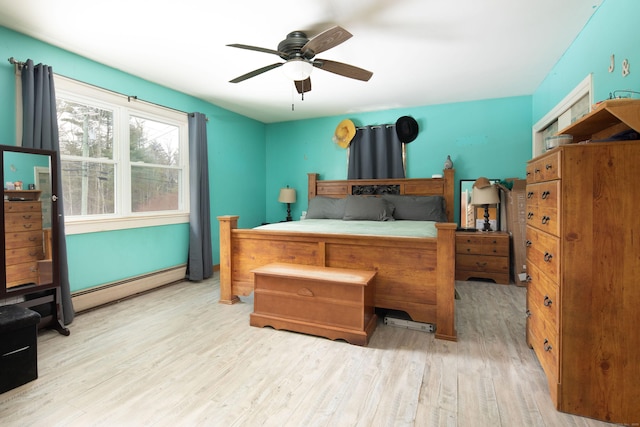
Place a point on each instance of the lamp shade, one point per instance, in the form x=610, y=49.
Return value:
x=287, y=195
x=485, y=196
x=297, y=69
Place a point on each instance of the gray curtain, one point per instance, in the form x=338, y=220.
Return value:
x=200, y=260
x=375, y=152
x=40, y=130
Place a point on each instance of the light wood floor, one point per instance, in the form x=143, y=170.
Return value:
x=176, y=357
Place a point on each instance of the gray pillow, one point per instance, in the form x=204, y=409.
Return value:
x=321, y=207
x=418, y=208
x=368, y=208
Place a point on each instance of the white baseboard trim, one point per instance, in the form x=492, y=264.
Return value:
x=111, y=292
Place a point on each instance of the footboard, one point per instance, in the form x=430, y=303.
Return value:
x=415, y=275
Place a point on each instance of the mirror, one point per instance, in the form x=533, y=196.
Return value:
x=28, y=220
x=472, y=217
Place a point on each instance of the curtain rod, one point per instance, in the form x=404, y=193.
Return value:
x=375, y=126
x=19, y=65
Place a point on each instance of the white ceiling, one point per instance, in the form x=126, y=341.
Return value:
x=422, y=52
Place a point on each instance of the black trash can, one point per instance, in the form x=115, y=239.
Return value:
x=18, y=346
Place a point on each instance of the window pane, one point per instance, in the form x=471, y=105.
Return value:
x=84, y=130
x=154, y=189
x=153, y=142
x=88, y=188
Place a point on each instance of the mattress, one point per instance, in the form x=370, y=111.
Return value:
x=402, y=228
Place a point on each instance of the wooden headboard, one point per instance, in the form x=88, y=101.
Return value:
x=409, y=186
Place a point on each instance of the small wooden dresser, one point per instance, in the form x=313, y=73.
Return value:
x=23, y=241
x=583, y=241
x=482, y=255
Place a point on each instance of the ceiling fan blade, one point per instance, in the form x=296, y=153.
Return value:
x=343, y=69
x=258, y=49
x=326, y=40
x=303, y=86
x=255, y=72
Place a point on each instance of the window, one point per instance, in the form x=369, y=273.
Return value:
x=124, y=161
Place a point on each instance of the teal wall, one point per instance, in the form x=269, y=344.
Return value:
x=99, y=258
x=607, y=33
x=248, y=158
x=484, y=138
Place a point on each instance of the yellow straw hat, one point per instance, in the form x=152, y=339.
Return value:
x=344, y=133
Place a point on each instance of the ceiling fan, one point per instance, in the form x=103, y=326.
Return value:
x=299, y=53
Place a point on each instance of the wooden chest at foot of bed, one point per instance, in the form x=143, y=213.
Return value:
x=335, y=303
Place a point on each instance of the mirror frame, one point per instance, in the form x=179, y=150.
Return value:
x=53, y=165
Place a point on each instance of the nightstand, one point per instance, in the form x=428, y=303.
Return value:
x=482, y=255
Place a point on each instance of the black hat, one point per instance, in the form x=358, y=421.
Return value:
x=407, y=129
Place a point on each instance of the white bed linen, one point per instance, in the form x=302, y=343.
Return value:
x=372, y=228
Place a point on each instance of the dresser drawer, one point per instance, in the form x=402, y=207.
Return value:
x=469, y=243
x=546, y=219
x=23, y=239
x=543, y=251
x=544, y=194
x=23, y=273
x=26, y=254
x=483, y=244
x=31, y=206
x=546, y=349
x=543, y=298
x=545, y=168
x=497, y=264
x=22, y=221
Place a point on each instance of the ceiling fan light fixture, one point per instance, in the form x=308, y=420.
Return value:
x=297, y=69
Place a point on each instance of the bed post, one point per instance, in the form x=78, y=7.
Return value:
x=312, y=181
x=449, y=182
x=445, y=287
x=227, y=223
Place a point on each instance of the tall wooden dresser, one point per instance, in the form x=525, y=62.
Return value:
x=583, y=263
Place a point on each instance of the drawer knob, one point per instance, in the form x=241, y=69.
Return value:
x=33, y=239
x=26, y=216
x=528, y=279
x=546, y=219
x=530, y=215
x=545, y=194
x=481, y=264
x=27, y=225
x=528, y=313
x=547, y=346
x=548, y=166
x=537, y=171
x=547, y=257
x=529, y=194
x=547, y=301
x=527, y=243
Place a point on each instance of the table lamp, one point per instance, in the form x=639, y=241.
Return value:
x=288, y=196
x=484, y=194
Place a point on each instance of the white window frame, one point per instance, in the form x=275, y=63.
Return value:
x=585, y=87
x=123, y=107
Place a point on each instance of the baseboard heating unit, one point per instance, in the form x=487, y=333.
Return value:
x=409, y=324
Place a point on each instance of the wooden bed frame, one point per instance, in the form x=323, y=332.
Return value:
x=415, y=275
